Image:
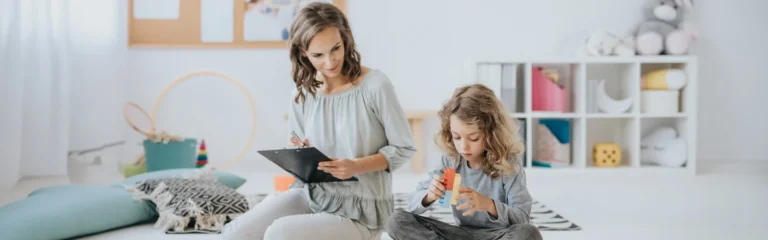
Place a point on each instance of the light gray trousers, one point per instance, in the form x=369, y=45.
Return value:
x=404, y=225
x=287, y=216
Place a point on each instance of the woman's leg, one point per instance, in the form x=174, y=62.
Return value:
x=254, y=223
x=319, y=226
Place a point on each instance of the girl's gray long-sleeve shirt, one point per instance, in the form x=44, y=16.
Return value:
x=509, y=193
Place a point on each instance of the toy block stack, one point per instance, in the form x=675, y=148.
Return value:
x=451, y=182
x=202, y=155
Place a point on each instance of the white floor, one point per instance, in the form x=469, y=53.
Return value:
x=712, y=206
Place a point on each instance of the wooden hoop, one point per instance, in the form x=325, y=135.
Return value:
x=229, y=79
x=128, y=120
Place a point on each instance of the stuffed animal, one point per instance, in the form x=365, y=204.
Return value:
x=604, y=43
x=664, y=148
x=665, y=31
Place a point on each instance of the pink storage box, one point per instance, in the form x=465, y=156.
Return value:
x=546, y=94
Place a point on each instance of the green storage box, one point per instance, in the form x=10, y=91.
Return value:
x=171, y=155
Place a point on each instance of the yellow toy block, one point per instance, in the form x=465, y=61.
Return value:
x=456, y=186
x=606, y=155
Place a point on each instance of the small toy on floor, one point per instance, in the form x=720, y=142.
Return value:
x=202, y=155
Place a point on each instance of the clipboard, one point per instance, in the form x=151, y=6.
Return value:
x=302, y=163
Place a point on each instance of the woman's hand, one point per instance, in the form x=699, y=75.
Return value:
x=295, y=142
x=475, y=202
x=435, y=190
x=340, y=168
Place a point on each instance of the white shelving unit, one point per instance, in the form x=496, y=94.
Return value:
x=623, y=79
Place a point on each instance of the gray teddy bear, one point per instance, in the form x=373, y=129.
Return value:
x=665, y=31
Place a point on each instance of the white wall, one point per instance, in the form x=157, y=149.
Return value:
x=732, y=93
x=422, y=46
x=100, y=72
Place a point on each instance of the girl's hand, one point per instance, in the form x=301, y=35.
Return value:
x=295, y=142
x=475, y=202
x=435, y=190
x=340, y=168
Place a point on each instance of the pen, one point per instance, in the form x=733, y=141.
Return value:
x=297, y=137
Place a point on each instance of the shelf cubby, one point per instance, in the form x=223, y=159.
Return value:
x=666, y=139
x=685, y=98
x=622, y=82
x=569, y=78
x=513, y=87
x=555, y=143
x=623, y=131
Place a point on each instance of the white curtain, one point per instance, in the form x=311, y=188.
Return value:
x=46, y=53
x=36, y=85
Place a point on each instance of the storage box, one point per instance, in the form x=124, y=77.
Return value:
x=660, y=101
x=547, y=95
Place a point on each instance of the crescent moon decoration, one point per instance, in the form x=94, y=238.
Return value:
x=608, y=104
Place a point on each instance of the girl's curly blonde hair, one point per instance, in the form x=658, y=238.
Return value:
x=477, y=104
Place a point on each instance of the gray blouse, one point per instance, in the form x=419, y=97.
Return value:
x=362, y=121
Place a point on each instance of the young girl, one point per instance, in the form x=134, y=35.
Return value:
x=350, y=113
x=480, y=142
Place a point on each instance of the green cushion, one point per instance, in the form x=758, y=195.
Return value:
x=228, y=179
x=70, y=211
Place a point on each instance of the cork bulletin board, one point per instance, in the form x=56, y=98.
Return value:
x=212, y=23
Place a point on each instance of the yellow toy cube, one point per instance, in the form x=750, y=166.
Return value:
x=606, y=155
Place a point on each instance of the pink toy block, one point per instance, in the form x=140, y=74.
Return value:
x=546, y=94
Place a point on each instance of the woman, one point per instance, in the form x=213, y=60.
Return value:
x=350, y=113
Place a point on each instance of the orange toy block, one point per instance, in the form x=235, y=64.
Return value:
x=448, y=175
x=283, y=182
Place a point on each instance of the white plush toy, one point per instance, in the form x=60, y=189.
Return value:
x=663, y=147
x=671, y=152
x=603, y=43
